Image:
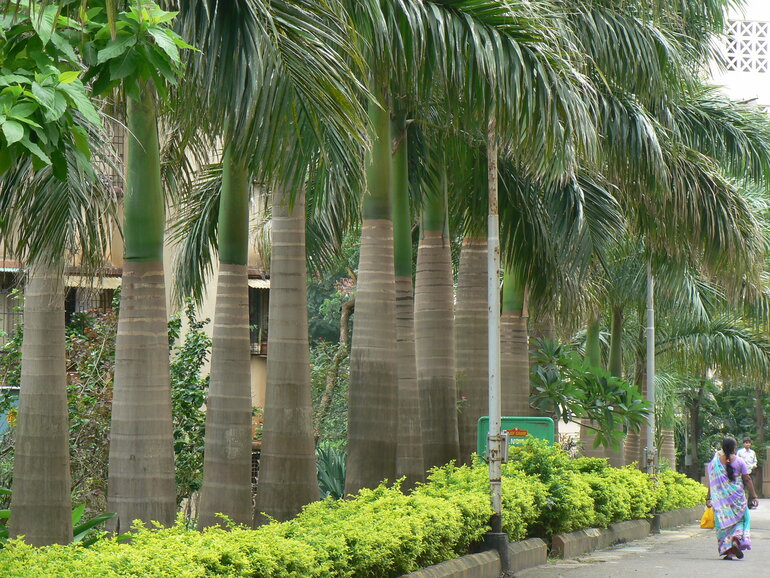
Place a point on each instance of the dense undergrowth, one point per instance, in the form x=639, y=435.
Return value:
x=381, y=532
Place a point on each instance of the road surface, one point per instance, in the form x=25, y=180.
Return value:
x=685, y=552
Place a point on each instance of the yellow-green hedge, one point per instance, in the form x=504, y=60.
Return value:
x=381, y=532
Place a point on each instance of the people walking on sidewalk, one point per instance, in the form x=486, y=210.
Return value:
x=727, y=475
x=750, y=457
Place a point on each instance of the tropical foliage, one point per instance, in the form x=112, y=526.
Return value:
x=383, y=531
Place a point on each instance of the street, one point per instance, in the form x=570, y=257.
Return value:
x=685, y=552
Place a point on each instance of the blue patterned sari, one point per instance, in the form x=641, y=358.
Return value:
x=728, y=499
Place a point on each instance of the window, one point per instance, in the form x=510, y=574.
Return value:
x=10, y=305
x=748, y=46
x=258, y=310
x=79, y=299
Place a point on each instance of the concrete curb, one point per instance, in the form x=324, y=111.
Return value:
x=681, y=516
x=577, y=543
x=533, y=552
x=525, y=554
x=483, y=565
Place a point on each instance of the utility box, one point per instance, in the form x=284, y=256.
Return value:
x=517, y=430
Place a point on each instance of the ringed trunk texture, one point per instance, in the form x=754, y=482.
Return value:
x=514, y=347
x=227, y=458
x=409, y=454
x=287, y=473
x=471, y=340
x=668, y=448
x=410, y=460
x=41, y=502
x=514, y=362
x=435, y=349
x=543, y=326
x=372, y=413
x=141, y=462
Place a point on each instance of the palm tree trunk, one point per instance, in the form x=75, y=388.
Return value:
x=434, y=342
x=141, y=462
x=227, y=450
x=409, y=456
x=40, y=499
x=287, y=473
x=373, y=401
x=514, y=345
x=542, y=326
x=616, y=343
x=593, y=354
x=471, y=339
x=633, y=445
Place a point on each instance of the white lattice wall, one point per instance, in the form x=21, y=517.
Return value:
x=748, y=46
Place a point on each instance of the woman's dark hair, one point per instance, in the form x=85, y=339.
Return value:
x=728, y=447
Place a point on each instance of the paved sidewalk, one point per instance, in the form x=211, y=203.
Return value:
x=686, y=552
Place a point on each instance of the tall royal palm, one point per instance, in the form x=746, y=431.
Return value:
x=53, y=208
x=141, y=456
x=283, y=102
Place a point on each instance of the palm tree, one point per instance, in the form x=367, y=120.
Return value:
x=227, y=451
x=409, y=453
x=279, y=98
x=433, y=31
x=48, y=185
x=141, y=459
x=373, y=394
x=514, y=346
x=434, y=326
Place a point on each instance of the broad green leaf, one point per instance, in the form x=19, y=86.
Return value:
x=38, y=153
x=44, y=94
x=77, y=94
x=13, y=131
x=115, y=48
x=82, y=529
x=80, y=139
x=44, y=24
x=58, y=107
x=69, y=76
x=165, y=43
x=61, y=43
x=124, y=65
x=23, y=110
x=8, y=79
x=77, y=513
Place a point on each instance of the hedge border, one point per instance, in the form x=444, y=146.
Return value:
x=533, y=552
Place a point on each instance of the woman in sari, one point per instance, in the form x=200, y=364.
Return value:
x=728, y=474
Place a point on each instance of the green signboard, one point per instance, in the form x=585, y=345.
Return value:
x=518, y=428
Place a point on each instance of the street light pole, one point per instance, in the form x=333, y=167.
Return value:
x=496, y=539
x=650, y=451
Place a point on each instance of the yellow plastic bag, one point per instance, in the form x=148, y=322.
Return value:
x=707, y=519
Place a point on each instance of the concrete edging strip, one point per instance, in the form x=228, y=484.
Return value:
x=576, y=543
x=533, y=552
x=524, y=554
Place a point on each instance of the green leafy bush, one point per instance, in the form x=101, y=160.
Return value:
x=381, y=532
x=676, y=490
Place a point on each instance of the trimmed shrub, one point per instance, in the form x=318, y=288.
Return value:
x=675, y=490
x=381, y=532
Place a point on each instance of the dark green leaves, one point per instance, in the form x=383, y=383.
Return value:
x=141, y=48
x=41, y=99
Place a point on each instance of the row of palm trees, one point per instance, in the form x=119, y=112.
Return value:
x=380, y=109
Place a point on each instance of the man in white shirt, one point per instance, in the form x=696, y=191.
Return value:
x=749, y=456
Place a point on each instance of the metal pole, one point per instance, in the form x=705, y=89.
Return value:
x=494, y=443
x=650, y=450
